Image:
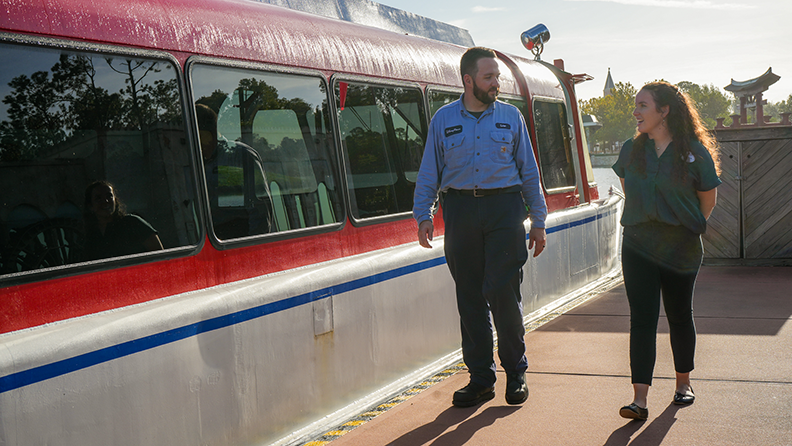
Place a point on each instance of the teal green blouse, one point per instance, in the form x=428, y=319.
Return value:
x=660, y=196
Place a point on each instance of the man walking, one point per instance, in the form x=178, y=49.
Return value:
x=479, y=154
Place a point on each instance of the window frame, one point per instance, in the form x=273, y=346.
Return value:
x=111, y=263
x=564, y=134
x=382, y=83
x=265, y=68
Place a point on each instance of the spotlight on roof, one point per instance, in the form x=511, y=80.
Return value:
x=535, y=38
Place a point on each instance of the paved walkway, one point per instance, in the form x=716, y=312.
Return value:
x=579, y=377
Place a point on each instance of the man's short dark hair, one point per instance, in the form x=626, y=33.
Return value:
x=469, y=62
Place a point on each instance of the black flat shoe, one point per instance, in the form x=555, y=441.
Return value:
x=683, y=399
x=472, y=394
x=516, y=390
x=634, y=412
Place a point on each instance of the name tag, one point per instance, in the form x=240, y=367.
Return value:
x=449, y=131
x=502, y=125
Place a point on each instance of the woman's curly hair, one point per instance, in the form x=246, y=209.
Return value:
x=684, y=124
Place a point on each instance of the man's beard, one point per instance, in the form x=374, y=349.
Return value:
x=483, y=95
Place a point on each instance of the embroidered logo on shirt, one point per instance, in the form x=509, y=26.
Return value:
x=502, y=125
x=450, y=131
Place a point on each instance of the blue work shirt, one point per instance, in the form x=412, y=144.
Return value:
x=657, y=195
x=489, y=152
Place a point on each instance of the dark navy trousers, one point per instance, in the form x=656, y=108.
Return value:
x=485, y=250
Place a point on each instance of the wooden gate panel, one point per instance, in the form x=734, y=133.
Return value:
x=722, y=239
x=776, y=242
x=768, y=208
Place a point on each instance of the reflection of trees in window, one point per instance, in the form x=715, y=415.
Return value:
x=384, y=133
x=214, y=100
x=366, y=151
x=68, y=118
x=46, y=108
x=254, y=95
x=555, y=157
x=145, y=102
x=288, y=133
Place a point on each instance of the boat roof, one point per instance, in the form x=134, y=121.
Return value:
x=251, y=30
x=239, y=29
x=382, y=16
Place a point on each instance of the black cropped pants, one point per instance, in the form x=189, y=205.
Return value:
x=645, y=280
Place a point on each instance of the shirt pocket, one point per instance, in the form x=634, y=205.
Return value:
x=454, y=152
x=502, y=147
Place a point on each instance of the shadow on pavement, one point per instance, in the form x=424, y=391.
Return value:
x=653, y=434
x=433, y=432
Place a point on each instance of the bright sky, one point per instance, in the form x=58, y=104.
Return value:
x=702, y=41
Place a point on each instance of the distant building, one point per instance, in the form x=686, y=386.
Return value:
x=591, y=125
x=609, y=85
x=749, y=93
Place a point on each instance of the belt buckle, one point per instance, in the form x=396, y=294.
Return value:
x=476, y=193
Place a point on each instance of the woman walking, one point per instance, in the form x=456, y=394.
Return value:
x=669, y=174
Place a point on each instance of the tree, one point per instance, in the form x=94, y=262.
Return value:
x=614, y=112
x=214, y=100
x=47, y=108
x=775, y=109
x=709, y=100
x=785, y=106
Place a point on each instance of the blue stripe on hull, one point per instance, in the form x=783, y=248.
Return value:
x=55, y=369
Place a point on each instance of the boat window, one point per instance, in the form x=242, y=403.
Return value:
x=438, y=99
x=519, y=103
x=383, y=130
x=94, y=159
x=267, y=150
x=553, y=141
x=586, y=155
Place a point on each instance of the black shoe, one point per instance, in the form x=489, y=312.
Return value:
x=516, y=390
x=634, y=412
x=472, y=394
x=682, y=399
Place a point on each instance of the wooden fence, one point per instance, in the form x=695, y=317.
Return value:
x=752, y=221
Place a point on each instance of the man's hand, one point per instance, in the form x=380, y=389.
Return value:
x=425, y=233
x=537, y=239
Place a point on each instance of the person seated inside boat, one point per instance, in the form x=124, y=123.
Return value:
x=238, y=191
x=109, y=230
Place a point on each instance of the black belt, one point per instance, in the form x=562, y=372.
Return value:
x=485, y=192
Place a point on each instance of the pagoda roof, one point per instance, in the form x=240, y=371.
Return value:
x=755, y=85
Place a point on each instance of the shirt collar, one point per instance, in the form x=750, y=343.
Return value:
x=465, y=112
